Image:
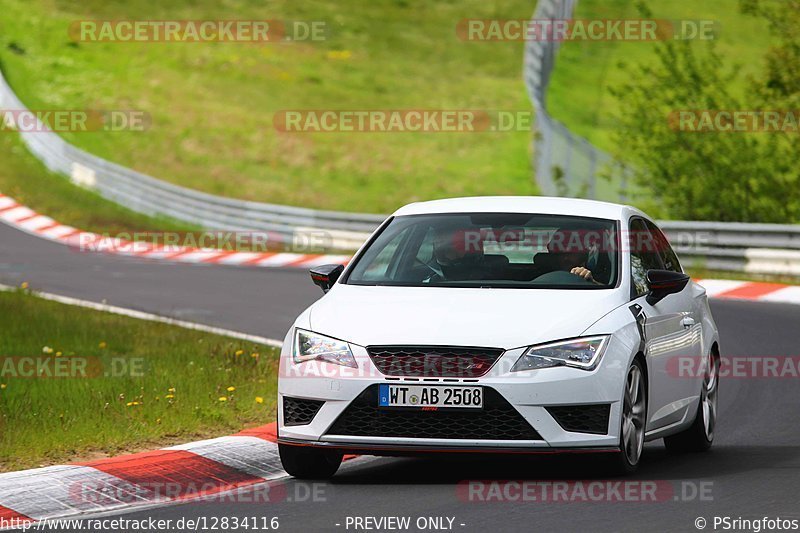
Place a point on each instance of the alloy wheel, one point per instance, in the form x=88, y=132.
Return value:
x=633, y=415
x=709, y=396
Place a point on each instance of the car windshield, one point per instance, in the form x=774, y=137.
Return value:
x=491, y=250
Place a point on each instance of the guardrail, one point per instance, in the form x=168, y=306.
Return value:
x=565, y=164
x=772, y=249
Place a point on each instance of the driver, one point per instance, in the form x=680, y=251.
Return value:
x=569, y=253
x=457, y=254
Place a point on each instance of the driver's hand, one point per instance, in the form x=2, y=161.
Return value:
x=585, y=273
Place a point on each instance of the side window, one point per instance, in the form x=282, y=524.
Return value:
x=644, y=256
x=664, y=249
x=379, y=266
x=425, y=252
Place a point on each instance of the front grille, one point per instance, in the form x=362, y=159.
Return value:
x=433, y=361
x=582, y=418
x=299, y=411
x=497, y=420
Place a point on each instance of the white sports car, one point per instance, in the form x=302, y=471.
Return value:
x=501, y=324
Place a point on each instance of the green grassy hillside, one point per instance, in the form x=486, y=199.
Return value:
x=212, y=103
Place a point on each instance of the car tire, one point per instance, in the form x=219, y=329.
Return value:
x=632, y=423
x=306, y=462
x=700, y=435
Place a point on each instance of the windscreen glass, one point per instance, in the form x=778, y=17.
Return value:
x=492, y=250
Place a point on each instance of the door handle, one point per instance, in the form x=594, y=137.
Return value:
x=688, y=322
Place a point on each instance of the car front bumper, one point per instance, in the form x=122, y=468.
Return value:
x=529, y=393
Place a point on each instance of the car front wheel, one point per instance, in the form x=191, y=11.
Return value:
x=634, y=415
x=306, y=462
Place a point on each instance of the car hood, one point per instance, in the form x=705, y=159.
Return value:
x=502, y=318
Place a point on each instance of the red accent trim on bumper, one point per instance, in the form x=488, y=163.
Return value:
x=413, y=449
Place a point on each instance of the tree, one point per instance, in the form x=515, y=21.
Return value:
x=725, y=176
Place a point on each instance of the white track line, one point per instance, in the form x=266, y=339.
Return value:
x=141, y=315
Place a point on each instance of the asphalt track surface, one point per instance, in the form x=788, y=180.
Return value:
x=753, y=470
x=257, y=301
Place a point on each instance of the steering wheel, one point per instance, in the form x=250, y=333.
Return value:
x=436, y=276
x=559, y=277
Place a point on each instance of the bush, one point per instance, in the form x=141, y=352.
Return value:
x=734, y=176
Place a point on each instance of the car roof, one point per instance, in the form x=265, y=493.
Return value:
x=522, y=204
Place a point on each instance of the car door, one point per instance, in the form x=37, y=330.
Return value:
x=670, y=328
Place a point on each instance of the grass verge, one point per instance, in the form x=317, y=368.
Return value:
x=700, y=273
x=212, y=104
x=155, y=384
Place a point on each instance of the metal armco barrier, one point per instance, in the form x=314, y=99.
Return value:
x=737, y=247
x=565, y=164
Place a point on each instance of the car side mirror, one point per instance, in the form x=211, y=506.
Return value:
x=663, y=283
x=325, y=276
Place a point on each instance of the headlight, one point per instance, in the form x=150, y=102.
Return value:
x=309, y=346
x=582, y=353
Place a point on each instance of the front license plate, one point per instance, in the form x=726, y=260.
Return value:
x=430, y=396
